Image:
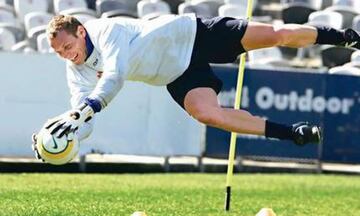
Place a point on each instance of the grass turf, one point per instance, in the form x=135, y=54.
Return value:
x=177, y=194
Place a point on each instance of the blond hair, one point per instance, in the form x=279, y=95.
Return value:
x=62, y=22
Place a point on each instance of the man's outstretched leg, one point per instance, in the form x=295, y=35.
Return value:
x=201, y=103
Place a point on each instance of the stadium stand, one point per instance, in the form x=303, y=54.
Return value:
x=335, y=13
x=149, y=9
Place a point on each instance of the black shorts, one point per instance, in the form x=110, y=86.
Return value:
x=217, y=41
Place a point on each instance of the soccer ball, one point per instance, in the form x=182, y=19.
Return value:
x=55, y=150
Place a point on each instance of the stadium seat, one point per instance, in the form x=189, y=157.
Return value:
x=7, y=39
x=356, y=23
x=233, y=10
x=35, y=23
x=345, y=70
x=23, y=7
x=7, y=17
x=348, y=3
x=326, y=18
x=4, y=5
x=316, y=4
x=148, y=9
x=111, y=8
x=60, y=5
x=199, y=10
x=25, y=46
x=212, y=5
x=268, y=57
x=347, y=12
x=83, y=18
x=240, y=2
x=43, y=45
x=296, y=13
x=71, y=7
x=335, y=56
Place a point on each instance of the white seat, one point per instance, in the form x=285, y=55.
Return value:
x=43, y=45
x=83, y=18
x=344, y=2
x=348, y=13
x=211, y=5
x=233, y=10
x=356, y=23
x=200, y=10
x=7, y=39
x=345, y=70
x=355, y=59
x=240, y=2
x=326, y=18
x=71, y=7
x=111, y=8
x=23, y=7
x=61, y=5
x=9, y=21
x=267, y=57
x=4, y=5
x=316, y=4
x=152, y=8
x=36, y=22
x=7, y=17
x=24, y=46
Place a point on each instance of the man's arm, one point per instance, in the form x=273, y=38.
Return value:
x=114, y=47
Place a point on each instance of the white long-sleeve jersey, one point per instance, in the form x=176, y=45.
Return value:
x=155, y=52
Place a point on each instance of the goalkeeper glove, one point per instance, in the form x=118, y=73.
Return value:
x=70, y=121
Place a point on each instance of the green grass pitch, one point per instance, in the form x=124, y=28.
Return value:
x=177, y=194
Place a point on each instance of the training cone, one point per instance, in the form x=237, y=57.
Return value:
x=138, y=213
x=266, y=212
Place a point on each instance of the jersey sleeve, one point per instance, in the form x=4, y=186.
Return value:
x=114, y=45
x=79, y=90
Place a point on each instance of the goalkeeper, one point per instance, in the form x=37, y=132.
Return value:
x=173, y=50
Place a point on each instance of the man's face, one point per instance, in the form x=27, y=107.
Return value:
x=70, y=47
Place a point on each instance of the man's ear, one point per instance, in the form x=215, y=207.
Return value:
x=81, y=31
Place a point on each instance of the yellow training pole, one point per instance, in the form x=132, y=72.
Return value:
x=236, y=106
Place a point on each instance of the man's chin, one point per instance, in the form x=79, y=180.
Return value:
x=78, y=62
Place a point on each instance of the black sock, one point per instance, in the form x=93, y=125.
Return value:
x=328, y=35
x=279, y=131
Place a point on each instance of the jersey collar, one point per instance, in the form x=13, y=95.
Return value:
x=89, y=46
